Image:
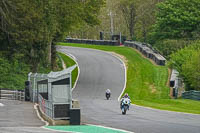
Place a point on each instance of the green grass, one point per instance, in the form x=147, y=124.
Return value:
x=69, y=62
x=146, y=82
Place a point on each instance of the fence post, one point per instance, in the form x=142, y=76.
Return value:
x=20, y=95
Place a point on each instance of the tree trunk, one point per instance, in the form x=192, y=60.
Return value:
x=53, y=55
x=49, y=53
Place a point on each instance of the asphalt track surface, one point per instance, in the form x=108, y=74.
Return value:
x=99, y=71
x=20, y=117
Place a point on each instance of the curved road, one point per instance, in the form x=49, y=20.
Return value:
x=99, y=71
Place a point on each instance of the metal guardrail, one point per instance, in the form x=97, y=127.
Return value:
x=195, y=95
x=53, y=110
x=46, y=106
x=12, y=94
x=93, y=42
x=147, y=51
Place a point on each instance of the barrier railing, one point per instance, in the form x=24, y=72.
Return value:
x=53, y=110
x=46, y=106
x=195, y=95
x=11, y=94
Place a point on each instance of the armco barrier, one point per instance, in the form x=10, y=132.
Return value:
x=194, y=95
x=94, y=42
x=147, y=51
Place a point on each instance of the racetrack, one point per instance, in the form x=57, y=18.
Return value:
x=99, y=71
x=20, y=117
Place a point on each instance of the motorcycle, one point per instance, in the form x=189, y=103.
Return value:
x=125, y=105
x=107, y=96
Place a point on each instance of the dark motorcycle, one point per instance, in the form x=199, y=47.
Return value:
x=107, y=96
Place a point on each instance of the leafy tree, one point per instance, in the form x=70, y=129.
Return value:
x=178, y=19
x=191, y=70
x=169, y=46
x=128, y=8
x=33, y=26
x=186, y=61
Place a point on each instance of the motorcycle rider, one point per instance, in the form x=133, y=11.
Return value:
x=108, y=92
x=125, y=96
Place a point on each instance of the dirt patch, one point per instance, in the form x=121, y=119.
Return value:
x=123, y=58
x=169, y=76
x=152, y=88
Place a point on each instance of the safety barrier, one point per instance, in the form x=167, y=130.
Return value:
x=147, y=51
x=52, y=110
x=194, y=95
x=11, y=94
x=93, y=42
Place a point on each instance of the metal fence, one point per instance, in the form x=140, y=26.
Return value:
x=54, y=110
x=33, y=78
x=194, y=95
x=46, y=106
x=12, y=94
x=52, y=92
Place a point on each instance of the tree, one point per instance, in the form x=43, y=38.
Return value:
x=34, y=25
x=191, y=70
x=186, y=62
x=128, y=8
x=178, y=19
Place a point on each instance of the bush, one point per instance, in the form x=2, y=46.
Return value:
x=187, y=62
x=13, y=74
x=168, y=46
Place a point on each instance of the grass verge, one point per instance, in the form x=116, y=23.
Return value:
x=70, y=62
x=146, y=82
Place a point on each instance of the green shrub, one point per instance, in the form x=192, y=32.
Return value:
x=186, y=61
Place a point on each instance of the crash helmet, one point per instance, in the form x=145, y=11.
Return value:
x=126, y=95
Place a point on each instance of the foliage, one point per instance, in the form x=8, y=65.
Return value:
x=128, y=8
x=13, y=74
x=169, y=46
x=31, y=27
x=191, y=70
x=178, y=19
x=186, y=61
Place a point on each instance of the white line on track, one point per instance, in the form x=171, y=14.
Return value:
x=38, y=114
x=73, y=58
x=125, y=74
x=1, y=104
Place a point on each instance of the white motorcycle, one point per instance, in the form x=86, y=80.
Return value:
x=125, y=103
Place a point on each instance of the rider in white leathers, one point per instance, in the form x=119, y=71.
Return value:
x=108, y=92
x=125, y=96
